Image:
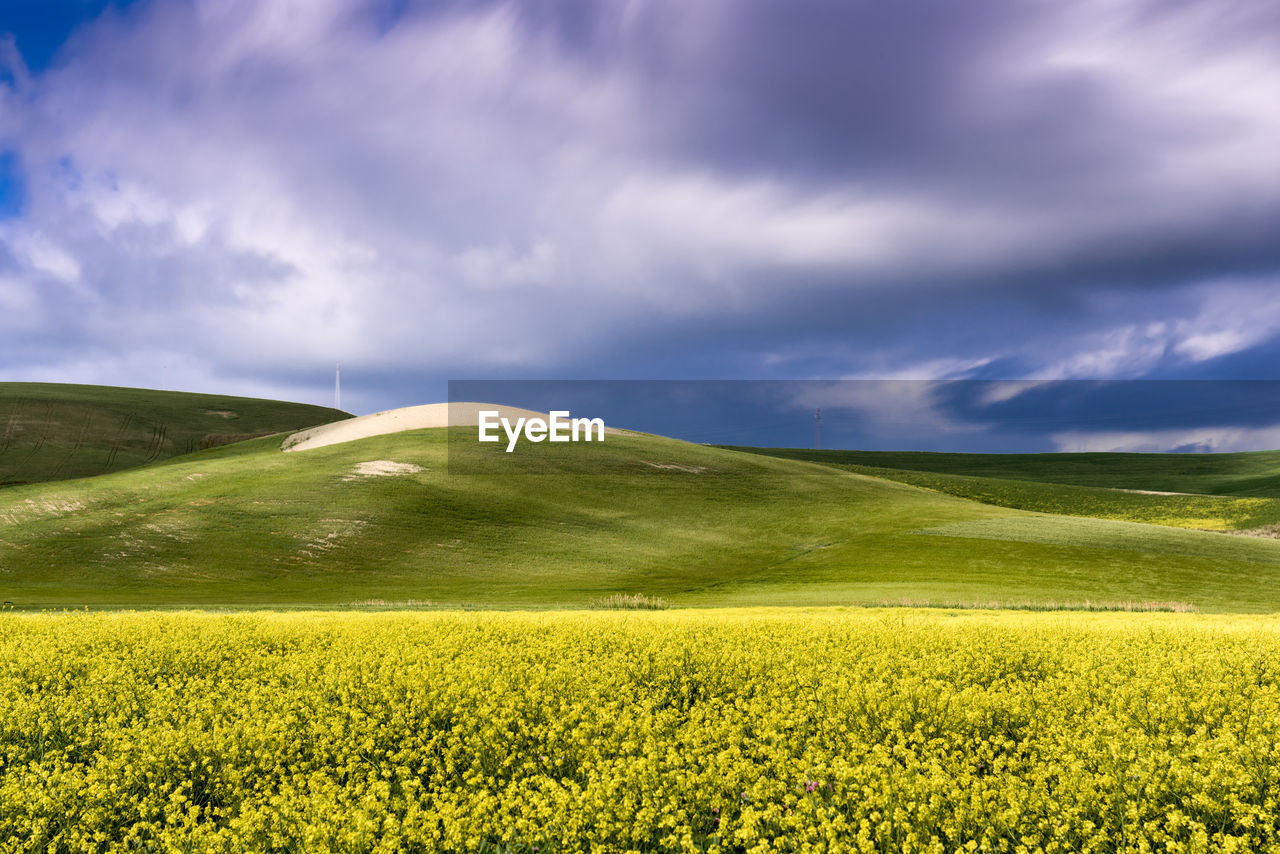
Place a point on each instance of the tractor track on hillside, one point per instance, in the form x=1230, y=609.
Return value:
x=156, y=447
x=119, y=441
x=13, y=423
x=84, y=430
x=44, y=433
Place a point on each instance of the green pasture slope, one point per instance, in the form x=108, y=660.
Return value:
x=55, y=432
x=1256, y=473
x=247, y=525
x=1220, y=492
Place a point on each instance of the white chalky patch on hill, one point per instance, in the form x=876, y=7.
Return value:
x=31, y=510
x=56, y=506
x=427, y=416
x=330, y=534
x=1155, y=492
x=381, y=468
x=676, y=467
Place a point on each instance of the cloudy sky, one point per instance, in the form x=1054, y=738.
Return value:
x=232, y=195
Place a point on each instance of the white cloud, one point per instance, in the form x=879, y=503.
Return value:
x=1221, y=439
x=1202, y=347
x=1233, y=316
x=491, y=267
x=1190, y=66
x=1128, y=350
x=1198, y=322
x=1002, y=392
x=899, y=408
x=42, y=255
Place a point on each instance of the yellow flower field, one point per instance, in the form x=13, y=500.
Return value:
x=748, y=730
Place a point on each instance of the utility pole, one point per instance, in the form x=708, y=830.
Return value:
x=337, y=385
x=817, y=429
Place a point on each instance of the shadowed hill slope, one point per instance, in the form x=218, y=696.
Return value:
x=54, y=432
x=1251, y=474
x=1219, y=492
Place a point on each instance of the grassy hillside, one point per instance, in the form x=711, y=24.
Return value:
x=248, y=525
x=1046, y=484
x=1255, y=474
x=54, y=432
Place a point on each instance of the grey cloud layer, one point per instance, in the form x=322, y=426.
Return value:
x=251, y=191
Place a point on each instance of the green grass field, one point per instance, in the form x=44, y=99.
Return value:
x=56, y=432
x=247, y=526
x=1236, y=491
x=1255, y=474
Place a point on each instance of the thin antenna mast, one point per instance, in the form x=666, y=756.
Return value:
x=817, y=429
x=337, y=385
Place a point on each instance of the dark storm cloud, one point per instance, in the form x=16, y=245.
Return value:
x=954, y=102
x=863, y=92
x=249, y=192
x=953, y=97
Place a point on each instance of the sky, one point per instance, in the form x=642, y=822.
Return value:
x=233, y=196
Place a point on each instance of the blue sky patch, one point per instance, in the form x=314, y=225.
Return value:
x=41, y=27
x=11, y=188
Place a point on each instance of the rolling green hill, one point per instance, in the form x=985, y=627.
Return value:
x=54, y=432
x=248, y=525
x=1219, y=492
